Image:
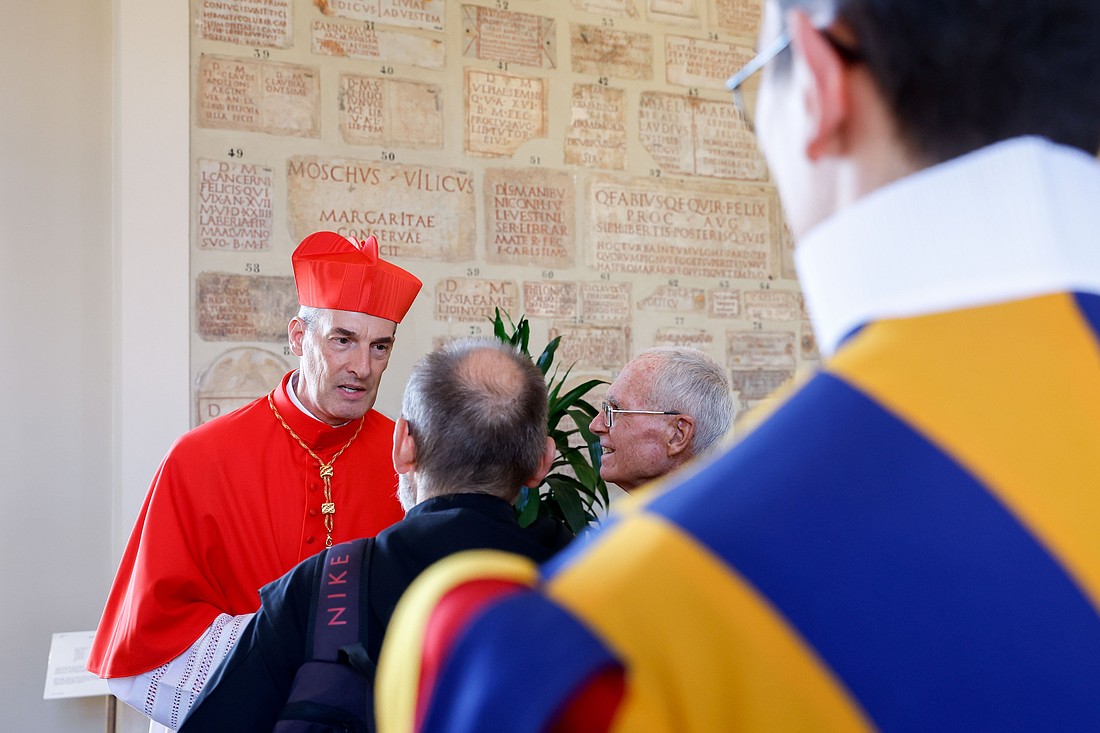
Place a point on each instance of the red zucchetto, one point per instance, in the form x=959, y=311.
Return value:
x=335, y=272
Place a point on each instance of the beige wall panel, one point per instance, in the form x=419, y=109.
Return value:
x=695, y=338
x=235, y=378
x=361, y=41
x=607, y=52
x=491, y=34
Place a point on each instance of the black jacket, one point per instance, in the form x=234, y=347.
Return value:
x=248, y=691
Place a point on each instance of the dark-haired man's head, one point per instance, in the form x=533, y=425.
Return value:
x=872, y=90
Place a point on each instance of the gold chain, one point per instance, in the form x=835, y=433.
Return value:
x=328, y=507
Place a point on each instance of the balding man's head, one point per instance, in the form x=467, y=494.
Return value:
x=476, y=410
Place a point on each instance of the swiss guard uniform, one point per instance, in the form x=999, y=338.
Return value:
x=908, y=542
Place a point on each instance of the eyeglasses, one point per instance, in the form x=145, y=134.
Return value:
x=609, y=413
x=747, y=112
x=758, y=62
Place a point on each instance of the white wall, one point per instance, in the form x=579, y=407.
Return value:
x=57, y=330
x=93, y=288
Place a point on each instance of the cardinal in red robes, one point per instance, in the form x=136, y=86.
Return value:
x=240, y=500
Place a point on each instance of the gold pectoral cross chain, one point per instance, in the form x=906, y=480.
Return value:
x=328, y=507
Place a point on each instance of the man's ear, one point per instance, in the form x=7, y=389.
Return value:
x=825, y=88
x=404, y=447
x=681, y=435
x=296, y=331
x=544, y=467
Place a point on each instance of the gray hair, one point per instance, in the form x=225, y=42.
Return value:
x=476, y=408
x=691, y=382
x=309, y=316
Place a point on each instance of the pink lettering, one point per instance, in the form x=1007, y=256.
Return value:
x=336, y=614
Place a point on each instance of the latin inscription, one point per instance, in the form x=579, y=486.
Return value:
x=514, y=38
x=674, y=299
x=592, y=347
x=772, y=305
x=596, y=137
x=390, y=112
x=681, y=12
x=680, y=229
x=259, y=96
x=740, y=17
x=503, y=111
x=474, y=299
x=248, y=22
x=756, y=384
x=413, y=210
x=424, y=14
x=693, y=62
x=608, y=7
x=550, y=299
x=760, y=350
x=605, y=302
x=696, y=338
x=529, y=217
x=244, y=307
x=609, y=52
x=724, y=303
x=333, y=38
x=698, y=137
x=234, y=206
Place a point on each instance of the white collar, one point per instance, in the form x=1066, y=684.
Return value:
x=292, y=393
x=1013, y=220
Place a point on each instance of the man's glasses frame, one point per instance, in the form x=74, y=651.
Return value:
x=769, y=52
x=609, y=411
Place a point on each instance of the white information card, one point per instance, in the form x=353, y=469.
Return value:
x=65, y=673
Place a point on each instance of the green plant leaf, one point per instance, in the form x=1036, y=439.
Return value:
x=527, y=506
x=523, y=335
x=546, y=358
x=582, y=419
x=498, y=328
x=565, y=490
x=574, y=395
x=595, y=456
x=560, y=406
x=578, y=461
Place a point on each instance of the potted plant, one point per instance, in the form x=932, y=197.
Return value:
x=573, y=490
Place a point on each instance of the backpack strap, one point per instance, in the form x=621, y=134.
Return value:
x=336, y=615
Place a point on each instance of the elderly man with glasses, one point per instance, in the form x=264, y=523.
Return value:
x=696, y=410
x=909, y=541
